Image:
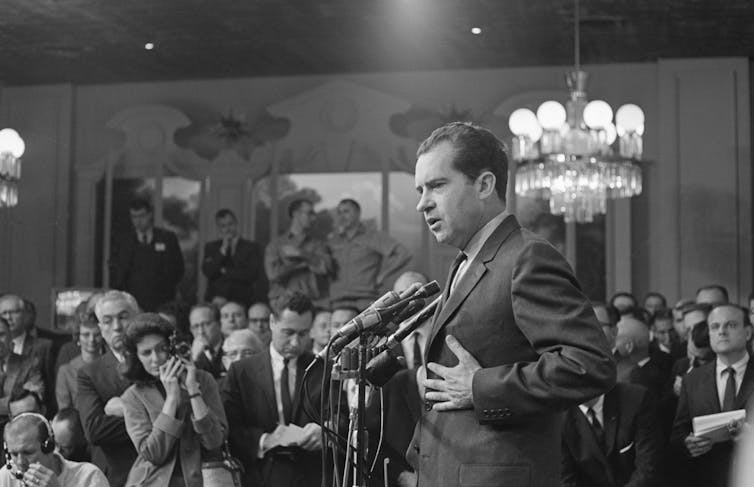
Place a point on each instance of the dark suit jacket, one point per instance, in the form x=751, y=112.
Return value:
x=519, y=311
x=654, y=375
x=112, y=451
x=152, y=282
x=214, y=366
x=632, y=442
x=244, y=280
x=40, y=350
x=22, y=373
x=249, y=399
x=699, y=397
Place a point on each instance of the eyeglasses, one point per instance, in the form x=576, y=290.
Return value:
x=237, y=354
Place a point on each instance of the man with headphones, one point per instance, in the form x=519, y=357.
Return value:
x=31, y=459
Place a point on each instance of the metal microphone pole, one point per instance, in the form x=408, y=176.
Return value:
x=360, y=478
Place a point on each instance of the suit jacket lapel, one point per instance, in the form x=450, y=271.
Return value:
x=474, y=273
x=11, y=373
x=710, y=395
x=747, y=386
x=303, y=361
x=610, y=418
x=267, y=382
x=588, y=444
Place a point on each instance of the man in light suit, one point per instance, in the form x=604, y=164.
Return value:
x=100, y=385
x=724, y=384
x=612, y=440
x=147, y=262
x=234, y=266
x=262, y=395
x=513, y=344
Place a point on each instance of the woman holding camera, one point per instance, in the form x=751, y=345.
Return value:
x=171, y=410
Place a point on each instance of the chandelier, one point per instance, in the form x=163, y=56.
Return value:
x=569, y=154
x=11, y=149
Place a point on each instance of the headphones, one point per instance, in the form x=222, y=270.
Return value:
x=47, y=443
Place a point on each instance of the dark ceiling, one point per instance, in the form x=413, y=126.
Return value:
x=102, y=41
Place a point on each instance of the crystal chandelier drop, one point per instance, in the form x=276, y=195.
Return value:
x=569, y=154
x=11, y=149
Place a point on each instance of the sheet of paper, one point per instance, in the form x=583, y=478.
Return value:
x=715, y=426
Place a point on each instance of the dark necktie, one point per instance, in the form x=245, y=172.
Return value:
x=285, y=393
x=452, y=275
x=418, y=362
x=730, y=389
x=599, y=433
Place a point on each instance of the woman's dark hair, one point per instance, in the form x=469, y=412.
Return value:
x=137, y=328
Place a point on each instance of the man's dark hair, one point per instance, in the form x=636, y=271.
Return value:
x=624, y=294
x=637, y=313
x=137, y=204
x=295, y=301
x=215, y=311
x=662, y=314
x=655, y=294
x=744, y=311
x=352, y=202
x=716, y=287
x=476, y=150
x=137, y=328
x=223, y=212
x=296, y=204
x=700, y=335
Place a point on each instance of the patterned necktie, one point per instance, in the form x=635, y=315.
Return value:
x=730, y=389
x=285, y=393
x=596, y=427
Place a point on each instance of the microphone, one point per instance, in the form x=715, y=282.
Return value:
x=411, y=324
x=427, y=290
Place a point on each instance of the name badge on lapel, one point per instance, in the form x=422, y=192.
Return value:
x=159, y=247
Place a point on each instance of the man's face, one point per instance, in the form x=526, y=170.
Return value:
x=679, y=325
x=112, y=322
x=321, y=328
x=90, y=339
x=141, y=219
x=24, y=448
x=232, y=317
x=259, y=322
x=12, y=309
x=290, y=332
x=348, y=215
x=234, y=349
x=305, y=216
x=727, y=333
x=227, y=227
x=653, y=304
x=661, y=331
x=447, y=198
x=340, y=317
x=203, y=324
x=711, y=296
x=64, y=438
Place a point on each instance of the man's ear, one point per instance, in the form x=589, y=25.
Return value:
x=486, y=184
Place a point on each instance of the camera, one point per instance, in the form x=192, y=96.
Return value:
x=179, y=348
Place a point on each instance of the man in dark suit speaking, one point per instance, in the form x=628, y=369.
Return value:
x=514, y=342
x=234, y=266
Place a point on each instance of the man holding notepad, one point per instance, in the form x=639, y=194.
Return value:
x=718, y=388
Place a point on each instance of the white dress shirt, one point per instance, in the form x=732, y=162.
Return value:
x=475, y=245
x=18, y=344
x=722, y=377
x=408, y=345
x=597, y=408
x=277, y=370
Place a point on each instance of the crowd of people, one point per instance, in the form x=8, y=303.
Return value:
x=147, y=394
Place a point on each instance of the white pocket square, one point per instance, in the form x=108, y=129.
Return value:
x=626, y=448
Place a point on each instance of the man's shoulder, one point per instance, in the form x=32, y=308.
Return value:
x=163, y=234
x=81, y=472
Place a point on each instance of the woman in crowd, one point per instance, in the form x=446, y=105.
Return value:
x=171, y=409
x=88, y=339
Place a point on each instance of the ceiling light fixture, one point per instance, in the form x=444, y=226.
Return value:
x=149, y=46
x=12, y=147
x=476, y=31
x=567, y=154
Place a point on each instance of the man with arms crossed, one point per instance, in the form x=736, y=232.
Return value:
x=514, y=342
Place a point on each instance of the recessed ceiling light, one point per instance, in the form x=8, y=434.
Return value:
x=149, y=46
x=476, y=31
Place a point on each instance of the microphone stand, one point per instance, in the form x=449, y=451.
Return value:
x=360, y=476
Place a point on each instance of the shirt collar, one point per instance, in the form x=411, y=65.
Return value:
x=597, y=406
x=739, y=367
x=476, y=243
x=19, y=340
x=643, y=362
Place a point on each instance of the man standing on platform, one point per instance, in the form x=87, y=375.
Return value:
x=513, y=344
x=363, y=258
x=234, y=266
x=296, y=261
x=148, y=261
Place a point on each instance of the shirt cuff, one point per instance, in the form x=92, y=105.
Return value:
x=260, y=450
x=169, y=425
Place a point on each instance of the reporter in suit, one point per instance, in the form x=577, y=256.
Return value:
x=99, y=387
x=172, y=410
x=258, y=398
x=514, y=343
x=234, y=266
x=148, y=262
x=724, y=384
x=621, y=449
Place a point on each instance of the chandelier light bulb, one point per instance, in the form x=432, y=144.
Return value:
x=597, y=114
x=611, y=133
x=640, y=130
x=523, y=122
x=630, y=117
x=11, y=142
x=551, y=115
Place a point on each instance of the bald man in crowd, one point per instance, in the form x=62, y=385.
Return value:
x=635, y=365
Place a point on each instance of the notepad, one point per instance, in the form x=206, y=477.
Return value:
x=715, y=426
